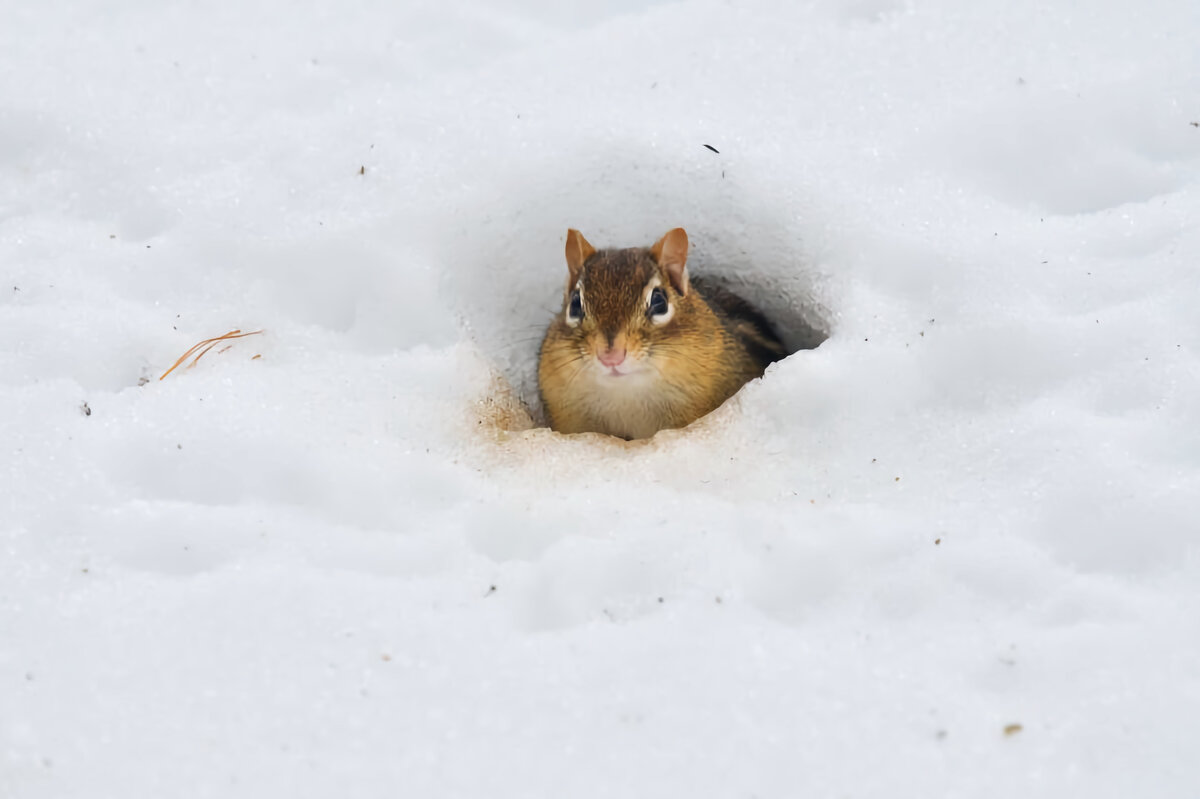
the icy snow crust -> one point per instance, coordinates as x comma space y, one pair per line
950, 552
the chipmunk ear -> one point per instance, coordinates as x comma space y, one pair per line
671, 253
578, 251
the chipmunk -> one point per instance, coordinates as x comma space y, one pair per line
639, 347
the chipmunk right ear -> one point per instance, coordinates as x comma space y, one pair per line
671, 253
578, 251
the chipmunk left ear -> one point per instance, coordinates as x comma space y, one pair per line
671, 253
578, 251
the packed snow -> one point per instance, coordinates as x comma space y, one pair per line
947, 548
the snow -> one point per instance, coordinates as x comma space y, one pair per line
952, 551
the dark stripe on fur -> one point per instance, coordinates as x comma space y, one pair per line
743, 321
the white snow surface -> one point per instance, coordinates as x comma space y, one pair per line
952, 551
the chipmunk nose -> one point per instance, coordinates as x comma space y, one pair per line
612, 357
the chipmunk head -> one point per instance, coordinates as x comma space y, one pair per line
619, 305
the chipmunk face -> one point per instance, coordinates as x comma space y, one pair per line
619, 306
637, 349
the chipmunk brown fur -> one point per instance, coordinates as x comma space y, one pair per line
639, 347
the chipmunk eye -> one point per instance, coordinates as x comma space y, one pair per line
658, 303
575, 308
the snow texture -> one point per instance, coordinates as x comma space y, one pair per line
952, 551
